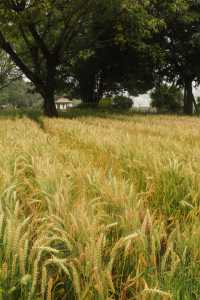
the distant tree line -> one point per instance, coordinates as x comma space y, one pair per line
19, 94
92, 49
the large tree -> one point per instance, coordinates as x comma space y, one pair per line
180, 46
108, 71
37, 34
114, 55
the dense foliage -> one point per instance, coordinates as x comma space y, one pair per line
20, 94
179, 41
91, 49
167, 99
122, 102
8, 71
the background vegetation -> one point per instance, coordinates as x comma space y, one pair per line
167, 99
19, 94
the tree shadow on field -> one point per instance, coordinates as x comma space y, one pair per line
72, 113
33, 115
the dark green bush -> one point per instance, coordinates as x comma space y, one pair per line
106, 102
122, 102
167, 99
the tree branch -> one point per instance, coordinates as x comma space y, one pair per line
39, 40
79, 12
5, 45
10, 81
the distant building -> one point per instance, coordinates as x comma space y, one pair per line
6, 106
63, 103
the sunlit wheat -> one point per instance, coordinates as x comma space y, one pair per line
100, 208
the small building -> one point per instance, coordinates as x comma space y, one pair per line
7, 106
63, 103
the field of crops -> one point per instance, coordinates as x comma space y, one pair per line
100, 208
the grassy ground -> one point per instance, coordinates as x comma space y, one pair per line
99, 206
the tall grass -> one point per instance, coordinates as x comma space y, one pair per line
100, 208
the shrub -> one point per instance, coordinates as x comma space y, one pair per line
167, 98
122, 102
106, 102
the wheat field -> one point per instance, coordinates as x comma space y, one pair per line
100, 208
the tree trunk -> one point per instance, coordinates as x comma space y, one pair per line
89, 97
91, 89
49, 105
195, 105
49, 90
188, 98
90, 102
